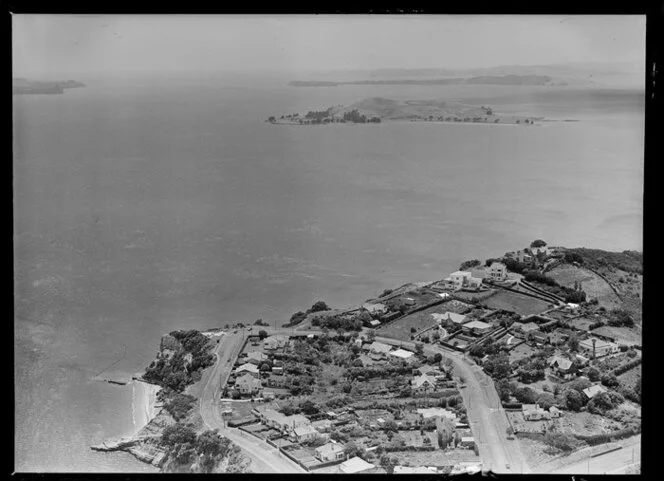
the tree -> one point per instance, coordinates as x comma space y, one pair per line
610, 380
419, 348
525, 395
371, 335
537, 243
351, 449
309, 407
437, 357
504, 390
545, 400
593, 374
573, 399
497, 366
573, 342
178, 433
319, 306
262, 334
469, 264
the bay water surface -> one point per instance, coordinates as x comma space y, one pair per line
147, 205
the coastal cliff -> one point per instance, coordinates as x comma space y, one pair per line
175, 440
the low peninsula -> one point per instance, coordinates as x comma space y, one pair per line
529, 362
379, 109
22, 86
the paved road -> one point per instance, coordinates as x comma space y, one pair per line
614, 462
485, 413
265, 458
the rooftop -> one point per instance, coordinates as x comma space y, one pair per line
402, 353
477, 325
380, 347
355, 465
433, 412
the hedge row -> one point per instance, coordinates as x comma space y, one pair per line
512, 405
390, 449
596, 439
626, 367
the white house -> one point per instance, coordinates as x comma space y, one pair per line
275, 342
248, 368
423, 383
374, 323
378, 350
598, 346
375, 309
477, 327
401, 356
449, 317
593, 391
330, 452
498, 271
459, 278
247, 384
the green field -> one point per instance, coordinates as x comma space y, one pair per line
511, 301
400, 329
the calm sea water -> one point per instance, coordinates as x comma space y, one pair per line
147, 206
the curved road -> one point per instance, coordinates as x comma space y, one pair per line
485, 412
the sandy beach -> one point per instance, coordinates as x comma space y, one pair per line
144, 404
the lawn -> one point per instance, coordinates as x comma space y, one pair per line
594, 286
521, 351
400, 329
582, 323
629, 378
520, 425
511, 301
584, 423
622, 335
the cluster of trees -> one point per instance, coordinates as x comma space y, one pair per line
318, 114
356, 117
176, 373
469, 264
300, 316
629, 261
179, 405
605, 401
620, 318
188, 452
497, 366
343, 323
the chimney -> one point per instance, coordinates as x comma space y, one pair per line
594, 341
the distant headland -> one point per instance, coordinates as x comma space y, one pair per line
378, 109
543, 80
22, 86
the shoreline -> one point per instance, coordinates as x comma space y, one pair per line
144, 405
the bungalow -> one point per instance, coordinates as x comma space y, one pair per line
330, 452
401, 356
477, 328
247, 384
375, 309
278, 370
355, 465
322, 425
459, 278
593, 391
375, 323
273, 343
598, 347
555, 412
540, 250
256, 357
248, 368
304, 433
561, 367
498, 271
536, 414
409, 301
378, 350
423, 383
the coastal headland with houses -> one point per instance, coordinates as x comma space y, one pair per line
513, 364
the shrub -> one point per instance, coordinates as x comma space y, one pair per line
180, 405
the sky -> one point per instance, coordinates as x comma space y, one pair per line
107, 44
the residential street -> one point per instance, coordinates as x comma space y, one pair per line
265, 458
485, 413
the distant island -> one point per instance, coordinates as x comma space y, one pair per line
378, 109
478, 80
22, 86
